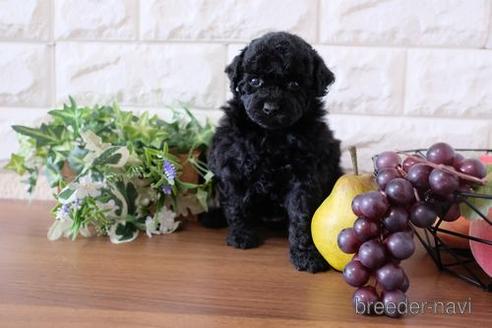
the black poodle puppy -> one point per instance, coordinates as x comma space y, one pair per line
274, 157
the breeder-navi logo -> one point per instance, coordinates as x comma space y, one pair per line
413, 307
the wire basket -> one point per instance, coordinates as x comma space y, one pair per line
456, 261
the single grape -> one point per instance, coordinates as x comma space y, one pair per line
457, 159
387, 159
406, 283
365, 229
453, 213
396, 219
395, 303
400, 191
364, 299
356, 204
386, 175
372, 254
473, 167
440, 153
400, 245
372, 205
418, 175
390, 276
347, 241
422, 214
355, 274
443, 183
409, 162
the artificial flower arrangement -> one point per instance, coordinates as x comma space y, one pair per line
116, 173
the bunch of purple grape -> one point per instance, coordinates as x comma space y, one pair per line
416, 191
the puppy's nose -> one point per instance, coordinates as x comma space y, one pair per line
269, 108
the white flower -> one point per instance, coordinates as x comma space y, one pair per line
162, 222
60, 228
86, 187
151, 227
166, 217
109, 207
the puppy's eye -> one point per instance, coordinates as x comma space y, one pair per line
255, 82
293, 85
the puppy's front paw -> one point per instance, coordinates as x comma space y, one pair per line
243, 239
308, 260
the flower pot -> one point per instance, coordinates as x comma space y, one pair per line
67, 173
189, 174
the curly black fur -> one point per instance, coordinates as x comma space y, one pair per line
274, 157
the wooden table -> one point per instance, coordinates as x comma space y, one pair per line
188, 279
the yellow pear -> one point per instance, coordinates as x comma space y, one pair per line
335, 214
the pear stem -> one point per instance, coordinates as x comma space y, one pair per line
353, 157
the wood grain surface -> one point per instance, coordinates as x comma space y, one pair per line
189, 279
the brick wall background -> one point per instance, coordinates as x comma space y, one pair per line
409, 72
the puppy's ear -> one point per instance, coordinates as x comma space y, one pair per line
323, 77
235, 71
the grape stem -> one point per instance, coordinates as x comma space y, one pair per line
402, 171
449, 169
417, 197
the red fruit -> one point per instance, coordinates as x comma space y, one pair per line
462, 225
482, 252
486, 159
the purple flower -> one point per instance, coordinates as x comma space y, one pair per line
63, 212
167, 189
169, 171
65, 208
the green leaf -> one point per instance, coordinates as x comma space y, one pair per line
202, 197
187, 185
43, 135
131, 196
481, 204
123, 232
208, 176
112, 156
70, 116
16, 164
76, 159
64, 195
53, 171
32, 180
126, 231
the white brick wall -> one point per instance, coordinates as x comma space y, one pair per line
455, 23
95, 20
140, 74
409, 72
